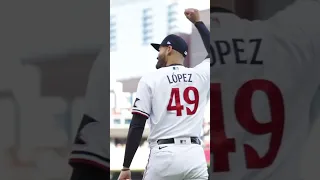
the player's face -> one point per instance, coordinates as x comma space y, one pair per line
163, 56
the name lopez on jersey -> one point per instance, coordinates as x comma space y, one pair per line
175, 78
237, 48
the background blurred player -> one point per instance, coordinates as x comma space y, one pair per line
263, 81
90, 152
173, 98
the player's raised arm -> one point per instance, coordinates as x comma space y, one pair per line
194, 16
140, 110
90, 151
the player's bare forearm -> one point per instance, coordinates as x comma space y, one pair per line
134, 138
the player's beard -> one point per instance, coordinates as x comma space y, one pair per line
161, 61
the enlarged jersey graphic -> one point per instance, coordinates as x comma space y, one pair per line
264, 75
84, 122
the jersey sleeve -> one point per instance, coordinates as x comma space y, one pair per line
97, 95
204, 68
300, 22
91, 144
143, 101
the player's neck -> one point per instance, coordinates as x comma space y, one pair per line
174, 59
175, 63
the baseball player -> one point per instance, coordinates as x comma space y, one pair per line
173, 98
263, 80
90, 152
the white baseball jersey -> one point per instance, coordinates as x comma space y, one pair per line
263, 81
174, 100
96, 134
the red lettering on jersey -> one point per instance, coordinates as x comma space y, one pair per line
175, 95
221, 146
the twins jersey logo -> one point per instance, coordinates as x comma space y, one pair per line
79, 137
134, 104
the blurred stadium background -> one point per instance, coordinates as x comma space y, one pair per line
47, 48
47, 57
133, 26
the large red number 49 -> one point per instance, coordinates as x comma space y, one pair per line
221, 145
178, 107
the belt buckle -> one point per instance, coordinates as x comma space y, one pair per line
196, 140
182, 140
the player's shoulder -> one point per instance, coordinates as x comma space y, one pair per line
152, 75
203, 67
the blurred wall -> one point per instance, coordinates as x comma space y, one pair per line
265, 9
34, 27
64, 74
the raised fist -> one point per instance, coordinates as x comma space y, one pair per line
192, 14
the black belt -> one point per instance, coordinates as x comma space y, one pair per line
194, 140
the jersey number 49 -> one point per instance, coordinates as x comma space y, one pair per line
178, 107
222, 146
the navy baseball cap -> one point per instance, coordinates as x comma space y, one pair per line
176, 42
